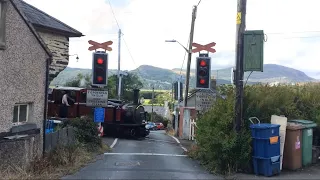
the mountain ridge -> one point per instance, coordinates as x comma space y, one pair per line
162, 78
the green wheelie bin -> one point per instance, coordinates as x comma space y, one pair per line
307, 137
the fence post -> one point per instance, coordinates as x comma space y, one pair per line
192, 135
190, 127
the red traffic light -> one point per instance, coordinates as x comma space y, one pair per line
203, 63
202, 81
100, 61
99, 79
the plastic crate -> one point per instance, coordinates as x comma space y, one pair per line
266, 147
49, 126
266, 166
264, 130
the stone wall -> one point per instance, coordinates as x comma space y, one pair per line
19, 153
59, 46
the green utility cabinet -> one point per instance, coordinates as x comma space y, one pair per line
253, 50
307, 137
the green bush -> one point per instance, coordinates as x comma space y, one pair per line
224, 151
220, 148
86, 132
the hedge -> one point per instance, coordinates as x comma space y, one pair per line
222, 150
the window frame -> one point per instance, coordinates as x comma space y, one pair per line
18, 115
3, 11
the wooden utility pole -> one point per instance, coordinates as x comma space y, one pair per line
239, 73
194, 14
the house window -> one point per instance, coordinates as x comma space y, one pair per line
20, 113
3, 10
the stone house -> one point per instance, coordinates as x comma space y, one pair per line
33, 45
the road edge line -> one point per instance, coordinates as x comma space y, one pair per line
185, 149
147, 154
114, 143
177, 140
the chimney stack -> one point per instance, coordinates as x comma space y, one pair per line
136, 95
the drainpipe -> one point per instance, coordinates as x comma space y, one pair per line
48, 61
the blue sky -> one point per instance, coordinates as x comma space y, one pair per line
293, 38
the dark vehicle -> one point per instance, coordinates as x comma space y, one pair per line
120, 118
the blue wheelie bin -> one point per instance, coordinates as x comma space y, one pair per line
266, 148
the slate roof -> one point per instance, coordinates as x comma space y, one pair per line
41, 19
17, 5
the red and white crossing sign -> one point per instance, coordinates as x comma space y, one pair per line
96, 45
207, 47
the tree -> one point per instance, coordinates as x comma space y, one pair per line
129, 82
80, 81
112, 84
161, 97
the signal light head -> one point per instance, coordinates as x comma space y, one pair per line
100, 61
203, 63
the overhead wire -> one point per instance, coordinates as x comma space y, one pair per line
185, 54
127, 47
184, 58
114, 16
279, 34
199, 2
125, 43
297, 32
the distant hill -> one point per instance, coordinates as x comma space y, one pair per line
162, 78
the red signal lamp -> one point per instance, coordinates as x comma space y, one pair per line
203, 63
202, 81
100, 61
100, 79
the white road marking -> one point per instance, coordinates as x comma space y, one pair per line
156, 140
114, 143
146, 154
175, 139
185, 149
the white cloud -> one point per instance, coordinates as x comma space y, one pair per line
146, 24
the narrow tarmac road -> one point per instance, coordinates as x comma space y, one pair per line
157, 157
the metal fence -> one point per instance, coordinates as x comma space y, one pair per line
62, 137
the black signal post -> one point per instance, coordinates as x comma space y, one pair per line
100, 69
178, 95
203, 72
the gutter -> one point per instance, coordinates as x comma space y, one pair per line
48, 61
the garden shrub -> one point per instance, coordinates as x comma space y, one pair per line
224, 151
219, 147
86, 132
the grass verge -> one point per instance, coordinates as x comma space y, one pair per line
60, 162
170, 131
